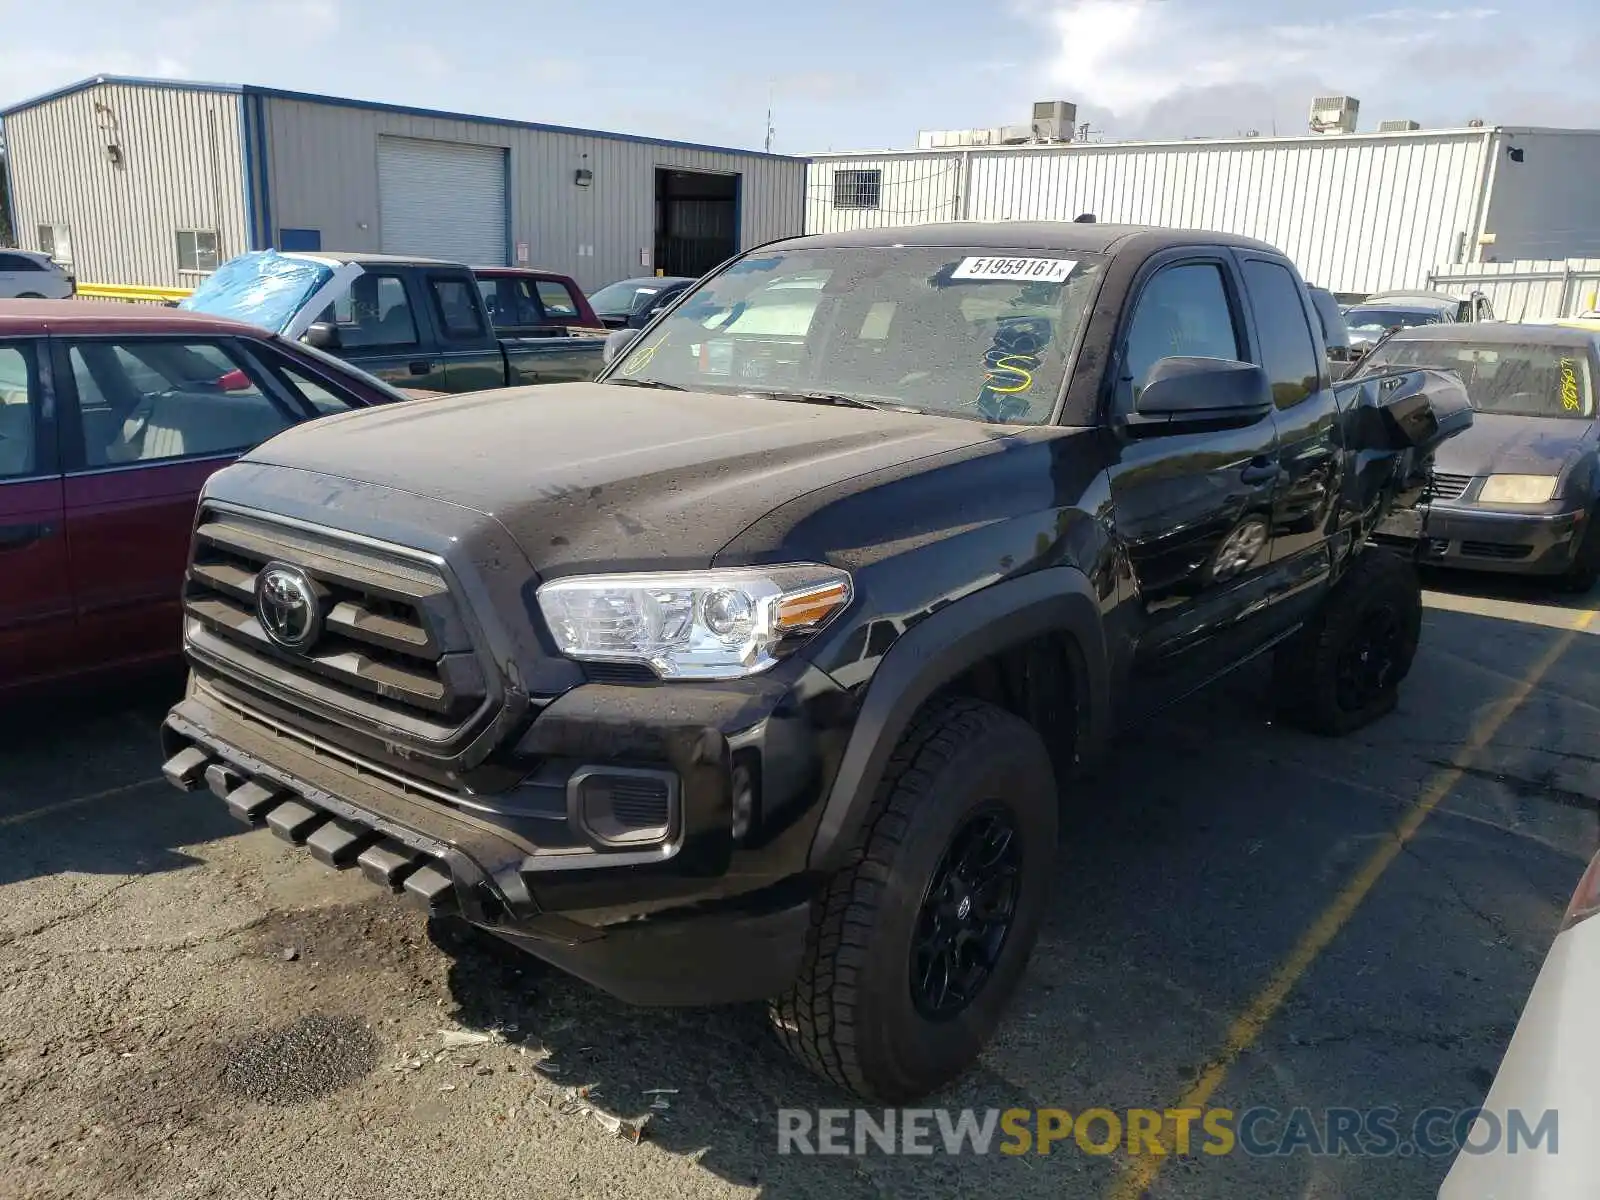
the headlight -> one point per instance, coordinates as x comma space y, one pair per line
1518, 489
692, 624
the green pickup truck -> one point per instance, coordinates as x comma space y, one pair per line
416, 323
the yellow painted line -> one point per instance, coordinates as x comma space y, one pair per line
1141, 1172
76, 802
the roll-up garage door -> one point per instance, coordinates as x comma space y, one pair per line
442, 200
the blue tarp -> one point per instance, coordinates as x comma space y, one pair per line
262, 288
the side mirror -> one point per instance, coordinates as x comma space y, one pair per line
617, 343
1182, 395
323, 336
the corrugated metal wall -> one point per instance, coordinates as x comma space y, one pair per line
1357, 214
324, 176
182, 168
1529, 288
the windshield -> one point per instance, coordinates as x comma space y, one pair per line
628, 296
1523, 379
959, 332
1379, 319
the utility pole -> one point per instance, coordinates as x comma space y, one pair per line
770, 130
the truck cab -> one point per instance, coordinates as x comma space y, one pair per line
417, 323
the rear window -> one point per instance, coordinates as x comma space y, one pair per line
1524, 379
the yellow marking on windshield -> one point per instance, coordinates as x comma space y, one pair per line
640, 361
1021, 377
1570, 396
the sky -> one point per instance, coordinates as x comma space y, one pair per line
843, 75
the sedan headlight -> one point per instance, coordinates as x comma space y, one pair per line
723, 624
1518, 489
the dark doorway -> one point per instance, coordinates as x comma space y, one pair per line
697, 221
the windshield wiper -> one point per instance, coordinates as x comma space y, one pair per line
648, 383
838, 398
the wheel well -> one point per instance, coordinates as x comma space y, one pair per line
1043, 681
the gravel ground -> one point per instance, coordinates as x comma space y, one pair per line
189, 1009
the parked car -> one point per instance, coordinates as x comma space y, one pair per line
1519, 492
1335, 333
761, 682
1369, 320
632, 303
526, 303
1516, 1149
25, 275
111, 418
415, 322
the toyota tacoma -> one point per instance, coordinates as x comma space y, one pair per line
753, 670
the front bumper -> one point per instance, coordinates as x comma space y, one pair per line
700, 916
1486, 539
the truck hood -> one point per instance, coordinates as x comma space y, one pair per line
1497, 443
589, 476
279, 292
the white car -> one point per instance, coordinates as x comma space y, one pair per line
27, 275
1531, 1140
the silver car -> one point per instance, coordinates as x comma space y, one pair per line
28, 275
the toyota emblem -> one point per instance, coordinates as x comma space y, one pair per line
286, 604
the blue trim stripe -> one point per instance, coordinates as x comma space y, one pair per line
375, 106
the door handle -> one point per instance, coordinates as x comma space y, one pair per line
15, 537
1259, 470
421, 368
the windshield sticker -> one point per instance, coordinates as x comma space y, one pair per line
1569, 386
638, 362
1032, 270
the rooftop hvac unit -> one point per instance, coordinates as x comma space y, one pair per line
1054, 121
1397, 126
1334, 114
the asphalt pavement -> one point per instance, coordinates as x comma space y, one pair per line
1246, 917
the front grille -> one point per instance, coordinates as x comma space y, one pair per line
394, 655
1447, 487
1501, 550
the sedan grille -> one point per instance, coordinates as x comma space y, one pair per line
393, 655
1447, 487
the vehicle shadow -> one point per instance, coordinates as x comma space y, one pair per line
81, 787
1520, 589
1191, 861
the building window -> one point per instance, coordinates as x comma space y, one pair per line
56, 241
197, 250
856, 189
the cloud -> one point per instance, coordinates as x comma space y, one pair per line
1176, 67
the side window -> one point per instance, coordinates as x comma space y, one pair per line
458, 315
19, 262
1288, 351
528, 309
1183, 311
17, 433
151, 401
315, 393
374, 312
556, 300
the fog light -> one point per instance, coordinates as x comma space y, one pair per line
624, 806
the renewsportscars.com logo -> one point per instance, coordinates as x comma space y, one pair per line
1257, 1132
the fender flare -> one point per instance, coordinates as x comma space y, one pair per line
939, 648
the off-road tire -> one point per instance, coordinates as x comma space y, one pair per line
850, 1015
1306, 669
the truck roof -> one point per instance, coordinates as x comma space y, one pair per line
1082, 237
373, 257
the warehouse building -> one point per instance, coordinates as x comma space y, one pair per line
1358, 212
154, 182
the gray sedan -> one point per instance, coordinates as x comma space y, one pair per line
1518, 491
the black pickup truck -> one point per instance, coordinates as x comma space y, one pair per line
753, 669
413, 322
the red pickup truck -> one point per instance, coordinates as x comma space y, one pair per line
111, 418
